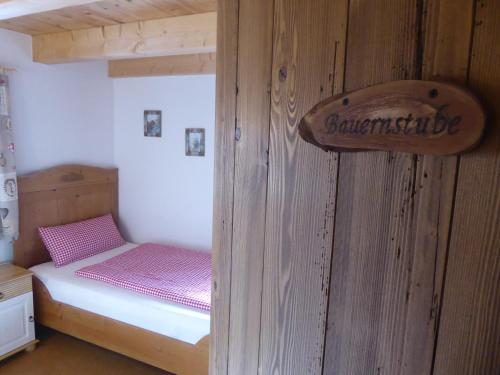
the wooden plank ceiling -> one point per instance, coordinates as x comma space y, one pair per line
18, 8
104, 13
174, 36
168, 36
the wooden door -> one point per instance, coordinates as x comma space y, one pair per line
352, 263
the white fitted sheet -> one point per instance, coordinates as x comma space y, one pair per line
147, 312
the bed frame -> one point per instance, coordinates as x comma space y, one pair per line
72, 193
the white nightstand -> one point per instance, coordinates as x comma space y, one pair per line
17, 323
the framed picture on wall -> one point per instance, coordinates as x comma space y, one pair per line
152, 123
195, 142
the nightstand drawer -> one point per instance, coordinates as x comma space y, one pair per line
15, 288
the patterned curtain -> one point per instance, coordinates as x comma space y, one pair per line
9, 210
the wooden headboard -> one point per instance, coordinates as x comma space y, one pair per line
60, 195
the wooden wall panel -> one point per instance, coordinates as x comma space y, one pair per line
250, 182
392, 216
402, 227
446, 31
226, 70
301, 194
469, 331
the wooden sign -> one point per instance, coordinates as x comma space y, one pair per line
418, 117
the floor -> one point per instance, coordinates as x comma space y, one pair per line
59, 354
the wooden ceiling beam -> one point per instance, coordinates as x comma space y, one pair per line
19, 8
192, 34
200, 63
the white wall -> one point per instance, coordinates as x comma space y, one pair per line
165, 196
60, 113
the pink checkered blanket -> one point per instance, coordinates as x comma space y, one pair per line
174, 274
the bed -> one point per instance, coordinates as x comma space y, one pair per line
169, 336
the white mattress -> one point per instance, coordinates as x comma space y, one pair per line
150, 313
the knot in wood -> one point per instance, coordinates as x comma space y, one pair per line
283, 73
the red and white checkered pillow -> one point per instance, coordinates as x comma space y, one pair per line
71, 242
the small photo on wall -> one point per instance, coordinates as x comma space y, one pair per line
195, 142
152, 123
